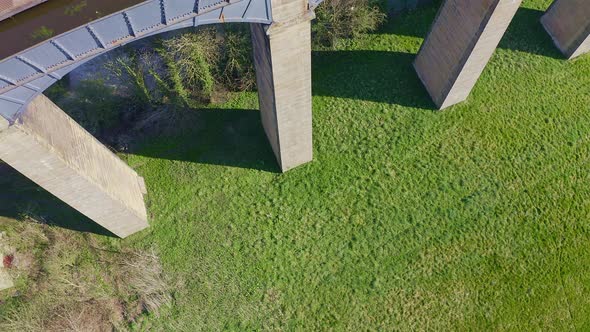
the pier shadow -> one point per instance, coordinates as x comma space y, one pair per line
226, 137
22, 199
525, 33
231, 137
389, 77
379, 76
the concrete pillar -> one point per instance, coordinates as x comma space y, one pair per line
51, 149
568, 23
282, 56
460, 44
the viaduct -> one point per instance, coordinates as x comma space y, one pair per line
40, 141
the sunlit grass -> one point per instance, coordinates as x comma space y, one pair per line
409, 218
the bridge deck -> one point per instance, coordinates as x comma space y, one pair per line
48, 19
43, 44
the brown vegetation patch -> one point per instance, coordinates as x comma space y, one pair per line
69, 281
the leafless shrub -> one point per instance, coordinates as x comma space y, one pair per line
339, 19
144, 274
79, 285
210, 61
90, 316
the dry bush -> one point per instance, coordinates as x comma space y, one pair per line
190, 58
142, 273
339, 19
236, 69
46, 315
209, 61
80, 283
91, 316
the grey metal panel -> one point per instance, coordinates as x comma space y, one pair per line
180, 25
21, 94
45, 55
178, 9
3, 84
236, 12
113, 30
78, 42
258, 9
209, 4
9, 109
42, 83
146, 16
16, 70
209, 18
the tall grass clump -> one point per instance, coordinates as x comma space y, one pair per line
190, 58
208, 62
345, 19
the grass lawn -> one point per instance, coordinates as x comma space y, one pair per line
408, 218
474, 218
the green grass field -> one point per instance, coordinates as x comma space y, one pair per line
408, 219
474, 218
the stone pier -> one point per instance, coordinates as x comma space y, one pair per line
460, 44
568, 23
51, 149
282, 56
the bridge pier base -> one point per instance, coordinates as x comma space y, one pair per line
459, 46
568, 23
51, 149
282, 56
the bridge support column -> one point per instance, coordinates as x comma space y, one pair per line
459, 46
282, 55
51, 149
568, 23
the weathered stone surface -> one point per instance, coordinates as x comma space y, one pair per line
6, 281
3, 124
10, 8
51, 149
288, 10
568, 23
283, 71
459, 46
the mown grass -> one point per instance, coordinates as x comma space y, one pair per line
408, 219
474, 218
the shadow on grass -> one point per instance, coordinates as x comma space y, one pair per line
232, 138
226, 137
389, 77
22, 199
380, 76
236, 138
525, 33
